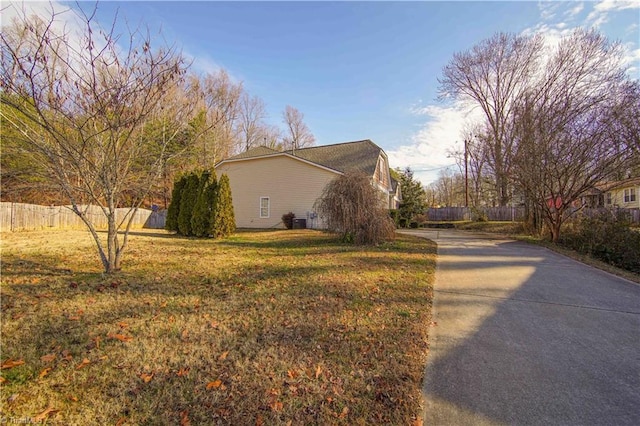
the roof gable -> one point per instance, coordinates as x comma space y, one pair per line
358, 156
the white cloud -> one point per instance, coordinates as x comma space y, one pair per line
575, 10
548, 9
428, 152
632, 59
64, 17
202, 63
607, 5
601, 10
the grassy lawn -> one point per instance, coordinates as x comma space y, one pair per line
279, 327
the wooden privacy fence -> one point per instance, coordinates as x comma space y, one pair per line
23, 217
466, 213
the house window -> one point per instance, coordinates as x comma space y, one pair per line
629, 195
381, 172
264, 207
607, 200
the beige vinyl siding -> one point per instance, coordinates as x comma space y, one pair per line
290, 184
617, 197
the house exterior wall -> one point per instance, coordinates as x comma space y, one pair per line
616, 197
290, 185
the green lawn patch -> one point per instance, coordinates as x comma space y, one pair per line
281, 327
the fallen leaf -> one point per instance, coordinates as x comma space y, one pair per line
121, 421
292, 374
48, 357
123, 324
121, 337
44, 372
146, 377
417, 422
223, 356
2, 380
318, 371
214, 324
84, 363
163, 305
10, 363
45, 414
214, 385
185, 334
276, 406
72, 398
344, 413
259, 420
274, 392
182, 372
184, 418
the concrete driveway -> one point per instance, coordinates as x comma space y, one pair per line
527, 336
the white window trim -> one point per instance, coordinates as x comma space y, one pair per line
268, 208
629, 195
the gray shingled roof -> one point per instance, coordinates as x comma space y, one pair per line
343, 157
254, 152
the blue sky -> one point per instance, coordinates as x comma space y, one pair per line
364, 70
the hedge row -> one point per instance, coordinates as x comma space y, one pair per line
607, 238
201, 206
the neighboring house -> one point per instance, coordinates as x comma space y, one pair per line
265, 183
624, 194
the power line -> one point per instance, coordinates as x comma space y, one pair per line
431, 170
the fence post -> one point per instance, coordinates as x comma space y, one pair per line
13, 216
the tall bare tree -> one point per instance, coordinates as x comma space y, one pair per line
250, 127
79, 103
298, 134
492, 75
218, 99
567, 137
270, 136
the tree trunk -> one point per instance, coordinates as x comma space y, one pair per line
112, 243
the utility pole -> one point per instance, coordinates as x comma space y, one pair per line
466, 175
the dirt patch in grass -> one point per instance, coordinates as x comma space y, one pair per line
282, 327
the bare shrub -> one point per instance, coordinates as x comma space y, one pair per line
350, 205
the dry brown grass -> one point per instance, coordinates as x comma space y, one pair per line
282, 327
